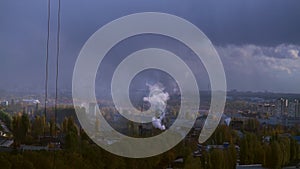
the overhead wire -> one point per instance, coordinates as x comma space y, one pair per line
57, 63
56, 76
47, 60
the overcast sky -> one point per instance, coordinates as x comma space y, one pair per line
258, 41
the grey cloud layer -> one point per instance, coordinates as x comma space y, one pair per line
263, 68
272, 63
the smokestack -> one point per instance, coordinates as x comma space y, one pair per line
158, 100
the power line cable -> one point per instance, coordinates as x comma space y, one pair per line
47, 61
57, 63
57, 75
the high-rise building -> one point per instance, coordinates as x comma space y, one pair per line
36, 108
12, 102
4, 103
92, 109
283, 105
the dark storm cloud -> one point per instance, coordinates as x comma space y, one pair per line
225, 22
254, 22
272, 26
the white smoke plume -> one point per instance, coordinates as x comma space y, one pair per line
158, 100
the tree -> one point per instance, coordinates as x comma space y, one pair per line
294, 150
252, 125
52, 128
20, 125
244, 151
6, 118
217, 159
250, 151
27, 165
65, 125
230, 157
205, 160
25, 124
276, 155
71, 126
71, 138
5, 164
284, 144
222, 134
192, 163
38, 126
